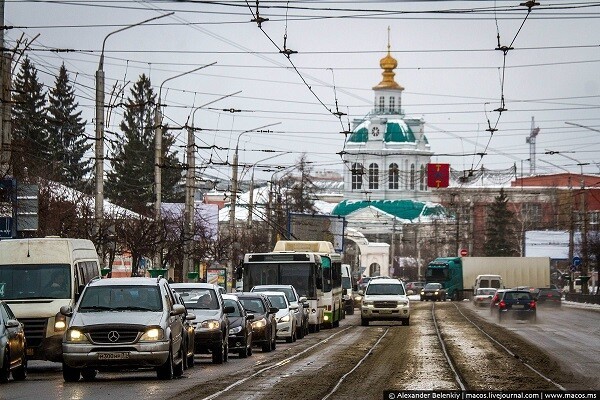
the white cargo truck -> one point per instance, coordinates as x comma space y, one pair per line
457, 274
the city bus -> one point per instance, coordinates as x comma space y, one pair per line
331, 263
37, 277
303, 270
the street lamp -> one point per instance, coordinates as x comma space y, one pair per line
583, 229
158, 142
234, 176
190, 188
99, 149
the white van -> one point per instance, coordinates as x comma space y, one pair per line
347, 286
487, 281
37, 277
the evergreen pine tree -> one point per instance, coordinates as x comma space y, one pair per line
500, 234
130, 183
29, 131
302, 191
68, 142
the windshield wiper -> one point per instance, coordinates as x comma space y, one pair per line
95, 308
133, 308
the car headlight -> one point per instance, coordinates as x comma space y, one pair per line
152, 335
60, 322
261, 323
436, 292
235, 330
358, 298
210, 324
285, 318
75, 336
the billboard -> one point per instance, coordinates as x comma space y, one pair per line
317, 227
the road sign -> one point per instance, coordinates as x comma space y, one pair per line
573, 268
576, 261
464, 252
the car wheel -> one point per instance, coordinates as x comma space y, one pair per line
406, 321
300, 332
178, 368
5, 367
266, 347
274, 344
226, 351
88, 374
218, 353
20, 374
165, 371
190, 360
70, 374
249, 350
364, 322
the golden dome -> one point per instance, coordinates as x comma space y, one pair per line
388, 64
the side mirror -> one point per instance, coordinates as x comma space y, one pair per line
239, 272
67, 311
229, 309
303, 300
178, 309
293, 306
273, 310
190, 317
12, 323
250, 316
361, 292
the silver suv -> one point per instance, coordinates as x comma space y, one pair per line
300, 313
124, 323
385, 299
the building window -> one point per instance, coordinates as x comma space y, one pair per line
393, 176
373, 176
381, 103
357, 175
392, 103
412, 176
406, 177
422, 178
532, 214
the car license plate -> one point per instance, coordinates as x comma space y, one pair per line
113, 356
385, 311
519, 306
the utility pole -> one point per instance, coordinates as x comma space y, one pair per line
5, 104
99, 148
158, 158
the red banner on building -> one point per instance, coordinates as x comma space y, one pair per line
438, 175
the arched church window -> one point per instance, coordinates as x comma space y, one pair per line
392, 103
412, 176
393, 175
422, 178
373, 176
357, 175
381, 103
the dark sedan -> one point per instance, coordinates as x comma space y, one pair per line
433, 292
264, 324
518, 304
12, 346
546, 297
240, 327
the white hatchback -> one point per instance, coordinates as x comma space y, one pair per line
385, 299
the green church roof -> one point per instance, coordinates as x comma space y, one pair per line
395, 131
403, 209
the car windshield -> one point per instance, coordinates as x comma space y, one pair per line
289, 293
237, 312
199, 298
253, 305
433, 286
517, 296
385, 289
278, 301
120, 298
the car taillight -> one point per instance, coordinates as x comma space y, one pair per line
532, 304
502, 304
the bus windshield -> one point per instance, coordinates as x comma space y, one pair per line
39, 281
299, 275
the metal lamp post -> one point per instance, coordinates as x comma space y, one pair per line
99, 149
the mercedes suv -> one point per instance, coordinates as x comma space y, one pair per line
123, 323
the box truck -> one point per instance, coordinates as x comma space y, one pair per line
457, 274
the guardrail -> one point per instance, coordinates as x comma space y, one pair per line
583, 298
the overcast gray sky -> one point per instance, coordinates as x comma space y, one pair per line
447, 63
